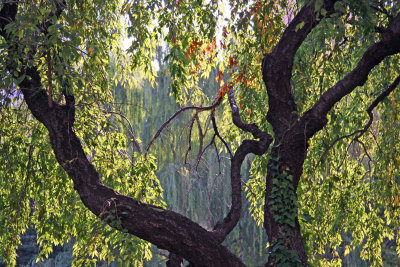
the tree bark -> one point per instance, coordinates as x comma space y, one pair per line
292, 132
166, 229
174, 232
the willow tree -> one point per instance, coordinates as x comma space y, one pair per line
310, 76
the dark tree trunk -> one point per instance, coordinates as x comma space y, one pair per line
174, 232
288, 161
293, 132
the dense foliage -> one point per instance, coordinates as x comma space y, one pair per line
81, 117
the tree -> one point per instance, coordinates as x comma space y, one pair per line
55, 54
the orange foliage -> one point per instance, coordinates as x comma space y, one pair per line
214, 44
238, 78
232, 62
223, 45
223, 90
224, 32
219, 76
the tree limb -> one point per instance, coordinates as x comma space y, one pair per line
134, 140
382, 10
164, 228
216, 132
277, 66
211, 107
389, 45
224, 227
360, 132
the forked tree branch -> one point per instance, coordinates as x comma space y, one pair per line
216, 132
224, 227
389, 45
277, 66
198, 108
212, 142
360, 132
166, 229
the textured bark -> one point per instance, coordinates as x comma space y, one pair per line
290, 142
166, 229
174, 260
174, 232
224, 227
291, 132
277, 68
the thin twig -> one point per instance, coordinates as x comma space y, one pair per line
201, 137
382, 10
134, 140
190, 140
204, 150
219, 160
360, 132
199, 109
218, 135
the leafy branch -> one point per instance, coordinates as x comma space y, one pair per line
360, 132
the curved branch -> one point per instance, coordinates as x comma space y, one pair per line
211, 107
382, 96
166, 229
134, 140
360, 132
224, 227
389, 45
201, 137
277, 66
189, 142
216, 133
252, 127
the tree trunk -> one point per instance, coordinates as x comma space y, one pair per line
280, 218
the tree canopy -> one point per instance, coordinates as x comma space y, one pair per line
308, 87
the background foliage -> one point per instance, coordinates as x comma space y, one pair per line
348, 198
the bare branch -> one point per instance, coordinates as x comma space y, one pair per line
224, 227
133, 138
200, 109
214, 123
201, 137
190, 142
217, 155
205, 148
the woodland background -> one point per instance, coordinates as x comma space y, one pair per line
348, 196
